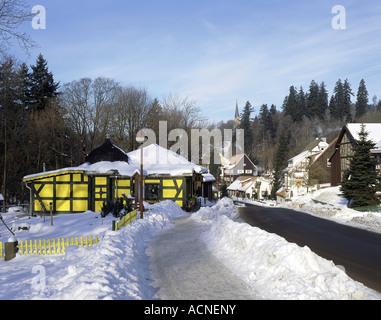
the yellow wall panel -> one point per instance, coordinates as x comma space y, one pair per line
179, 183
80, 205
63, 178
63, 190
46, 180
46, 192
168, 183
80, 190
98, 206
37, 205
62, 205
171, 193
123, 183
100, 180
77, 177
152, 181
120, 192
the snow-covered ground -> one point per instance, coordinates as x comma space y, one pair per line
118, 267
329, 204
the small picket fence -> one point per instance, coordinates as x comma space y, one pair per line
51, 246
127, 219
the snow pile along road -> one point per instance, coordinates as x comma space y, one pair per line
328, 203
271, 265
115, 268
118, 266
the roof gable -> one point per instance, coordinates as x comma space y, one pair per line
107, 152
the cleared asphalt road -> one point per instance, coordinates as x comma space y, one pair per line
359, 251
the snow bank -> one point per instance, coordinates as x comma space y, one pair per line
115, 268
329, 204
271, 265
118, 268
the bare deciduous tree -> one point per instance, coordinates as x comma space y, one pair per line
13, 13
88, 105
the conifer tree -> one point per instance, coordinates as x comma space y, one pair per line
23, 85
362, 100
347, 91
313, 108
43, 86
336, 104
323, 101
279, 163
246, 125
292, 106
360, 183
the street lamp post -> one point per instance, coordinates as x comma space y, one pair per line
141, 138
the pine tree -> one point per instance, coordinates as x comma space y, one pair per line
360, 184
246, 125
279, 163
43, 86
302, 104
362, 100
323, 101
347, 91
336, 105
292, 107
312, 102
23, 85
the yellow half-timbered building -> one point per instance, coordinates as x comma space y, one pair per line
109, 173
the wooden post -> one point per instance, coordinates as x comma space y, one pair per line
51, 213
10, 249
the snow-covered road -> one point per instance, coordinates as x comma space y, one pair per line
184, 268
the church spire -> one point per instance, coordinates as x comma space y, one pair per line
237, 120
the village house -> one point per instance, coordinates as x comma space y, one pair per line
296, 175
320, 168
110, 173
343, 150
249, 187
242, 187
238, 166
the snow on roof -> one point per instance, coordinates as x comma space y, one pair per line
242, 185
373, 129
156, 161
208, 177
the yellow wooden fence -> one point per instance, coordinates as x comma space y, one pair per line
127, 219
51, 246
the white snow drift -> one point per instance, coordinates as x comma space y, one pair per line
118, 267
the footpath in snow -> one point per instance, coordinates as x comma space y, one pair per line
130, 264
184, 268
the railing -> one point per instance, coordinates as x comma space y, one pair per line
51, 246
127, 219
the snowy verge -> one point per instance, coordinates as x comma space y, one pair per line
328, 203
271, 265
115, 268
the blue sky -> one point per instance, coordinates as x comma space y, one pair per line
214, 52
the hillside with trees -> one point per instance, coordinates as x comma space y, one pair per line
278, 134
46, 125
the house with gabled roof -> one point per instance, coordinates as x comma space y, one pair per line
346, 141
109, 173
239, 165
296, 175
